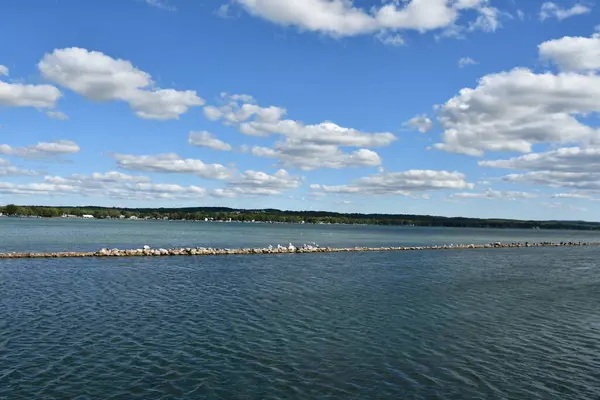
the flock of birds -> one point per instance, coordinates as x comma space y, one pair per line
291, 247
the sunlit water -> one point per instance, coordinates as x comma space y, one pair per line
466, 324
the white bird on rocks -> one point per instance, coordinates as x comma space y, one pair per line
270, 247
146, 247
291, 247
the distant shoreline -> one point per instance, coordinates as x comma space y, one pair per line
274, 216
296, 223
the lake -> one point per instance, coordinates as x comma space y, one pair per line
467, 324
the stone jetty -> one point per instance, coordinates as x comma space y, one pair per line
146, 251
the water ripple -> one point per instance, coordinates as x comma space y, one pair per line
518, 324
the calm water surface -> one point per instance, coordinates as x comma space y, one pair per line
484, 324
85, 235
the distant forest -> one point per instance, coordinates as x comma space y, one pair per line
273, 215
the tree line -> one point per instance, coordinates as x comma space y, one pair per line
274, 215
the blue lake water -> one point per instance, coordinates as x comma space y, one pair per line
85, 235
466, 324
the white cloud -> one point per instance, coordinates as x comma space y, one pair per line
572, 168
3, 70
57, 115
35, 189
582, 181
571, 196
488, 20
515, 110
551, 10
340, 18
171, 163
20, 95
260, 183
252, 119
162, 4
112, 185
310, 156
42, 149
573, 53
512, 111
390, 39
465, 61
567, 159
99, 77
495, 195
117, 185
98, 178
304, 146
207, 139
400, 183
422, 123
6, 169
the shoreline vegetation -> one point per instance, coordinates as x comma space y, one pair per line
224, 214
146, 251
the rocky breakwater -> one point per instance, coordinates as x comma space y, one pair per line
146, 251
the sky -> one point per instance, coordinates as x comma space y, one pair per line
476, 108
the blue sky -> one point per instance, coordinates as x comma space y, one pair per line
483, 108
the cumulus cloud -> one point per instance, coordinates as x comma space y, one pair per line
421, 123
171, 163
260, 183
573, 53
207, 139
30, 189
99, 77
98, 178
400, 183
583, 181
342, 18
118, 185
7, 169
567, 159
42, 149
495, 195
552, 10
311, 156
57, 115
512, 111
465, 61
20, 95
572, 168
304, 146
112, 185
254, 120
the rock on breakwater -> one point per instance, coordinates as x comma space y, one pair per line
146, 251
